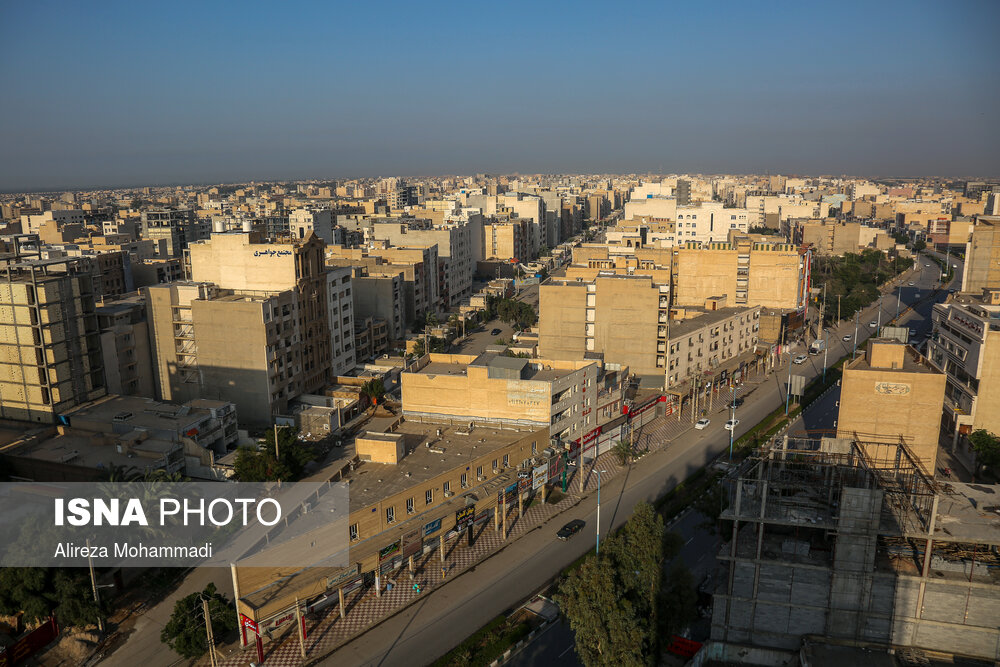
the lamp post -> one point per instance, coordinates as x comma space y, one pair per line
598, 552
732, 421
855, 352
788, 385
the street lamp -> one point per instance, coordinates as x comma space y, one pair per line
598, 552
732, 421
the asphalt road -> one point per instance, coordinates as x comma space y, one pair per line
425, 631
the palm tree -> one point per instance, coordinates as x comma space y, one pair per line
623, 451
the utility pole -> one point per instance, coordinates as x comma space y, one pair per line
838, 308
598, 550
299, 624
855, 352
878, 327
788, 387
208, 632
93, 586
733, 422
277, 456
822, 314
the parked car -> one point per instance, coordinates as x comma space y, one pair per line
801, 359
910, 284
731, 424
872, 324
848, 337
702, 423
496, 332
570, 529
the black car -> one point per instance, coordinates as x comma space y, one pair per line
738, 401
496, 332
571, 529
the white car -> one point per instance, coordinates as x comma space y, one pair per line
702, 423
801, 359
847, 337
731, 424
872, 324
910, 284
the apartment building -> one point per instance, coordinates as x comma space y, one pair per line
965, 346
242, 347
381, 296
128, 363
651, 206
830, 237
506, 240
750, 273
31, 223
982, 256
457, 244
892, 395
176, 228
157, 271
706, 339
50, 348
623, 317
237, 262
419, 267
498, 389
708, 222
371, 336
321, 222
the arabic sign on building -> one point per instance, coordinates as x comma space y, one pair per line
464, 517
432, 527
388, 552
540, 476
345, 575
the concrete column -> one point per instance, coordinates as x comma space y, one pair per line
378, 582
343, 612
441, 546
411, 566
236, 601
520, 502
496, 518
503, 517
545, 489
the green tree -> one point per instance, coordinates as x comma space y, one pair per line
185, 631
608, 627
623, 451
986, 445
42, 591
919, 246
261, 465
677, 603
374, 389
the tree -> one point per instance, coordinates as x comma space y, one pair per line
623, 451
185, 631
261, 465
986, 445
42, 591
677, 603
374, 389
607, 626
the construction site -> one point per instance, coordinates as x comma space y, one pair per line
850, 542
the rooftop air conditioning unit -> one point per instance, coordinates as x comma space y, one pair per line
496, 471
448, 494
481, 478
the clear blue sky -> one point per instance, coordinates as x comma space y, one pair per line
102, 93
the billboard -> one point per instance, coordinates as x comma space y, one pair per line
464, 517
432, 527
540, 475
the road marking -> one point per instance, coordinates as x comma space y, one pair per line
566, 651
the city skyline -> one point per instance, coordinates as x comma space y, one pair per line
129, 96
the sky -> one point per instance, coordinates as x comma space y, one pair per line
137, 93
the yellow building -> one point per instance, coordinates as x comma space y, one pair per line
50, 348
892, 395
497, 389
772, 275
982, 256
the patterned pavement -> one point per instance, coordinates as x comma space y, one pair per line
326, 630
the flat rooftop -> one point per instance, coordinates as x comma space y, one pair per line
530, 369
707, 318
912, 361
86, 451
457, 445
144, 412
969, 513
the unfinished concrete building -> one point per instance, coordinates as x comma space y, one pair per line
852, 541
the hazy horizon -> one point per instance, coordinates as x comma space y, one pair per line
126, 95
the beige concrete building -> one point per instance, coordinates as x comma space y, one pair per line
982, 256
623, 317
128, 364
380, 295
236, 262
50, 349
506, 240
830, 237
893, 395
705, 339
418, 266
771, 275
497, 389
965, 346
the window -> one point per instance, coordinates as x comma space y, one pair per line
534, 447
479, 471
506, 460
390, 514
495, 466
354, 531
465, 480
429, 497
409, 506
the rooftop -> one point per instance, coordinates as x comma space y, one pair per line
428, 455
146, 413
678, 329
